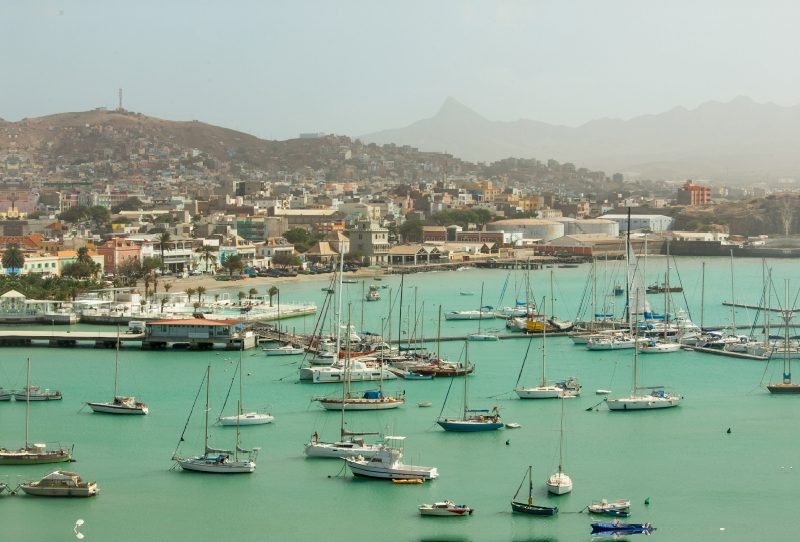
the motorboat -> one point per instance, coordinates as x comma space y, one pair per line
6, 395
286, 350
35, 393
445, 509
424, 404
60, 483
469, 315
529, 507
120, 405
386, 463
513, 425
373, 295
658, 347
467, 293
483, 337
416, 376
620, 528
600, 507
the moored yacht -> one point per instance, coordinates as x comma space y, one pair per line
35, 393
386, 464
60, 483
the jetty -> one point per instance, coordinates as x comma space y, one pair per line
716, 352
754, 307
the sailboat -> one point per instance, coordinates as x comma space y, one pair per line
215, 460
569, 387
369, 399
559, 483
482, 336
33, 454
786, 385
346, 446
471, 420
658, 398
529, 507
242, 417
120, 404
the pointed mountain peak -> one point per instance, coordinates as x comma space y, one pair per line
453, 108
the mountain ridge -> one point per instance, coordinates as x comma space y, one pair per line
742, 136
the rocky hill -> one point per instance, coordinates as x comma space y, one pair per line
754, 216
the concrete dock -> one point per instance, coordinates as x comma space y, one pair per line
108, 339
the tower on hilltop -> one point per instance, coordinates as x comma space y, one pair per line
120, 101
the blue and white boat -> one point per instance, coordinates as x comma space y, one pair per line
471, 420
618, 528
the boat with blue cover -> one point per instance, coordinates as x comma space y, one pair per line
618, 528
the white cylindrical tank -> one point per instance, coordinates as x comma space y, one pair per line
530, 228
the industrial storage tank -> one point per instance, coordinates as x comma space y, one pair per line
530, 228
590, 225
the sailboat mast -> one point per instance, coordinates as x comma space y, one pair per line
27, 403
208, 396
400, 319
480, 310
594, 292
733, 298
466, 359
552, 297
389, 327
339, 304
116, 366
363, 297
636, 348
439, 336
627, 271
241, 369
787, 362
561, 437
702, 296
544, 346
347, 350
530, 484
769, 306
346, 380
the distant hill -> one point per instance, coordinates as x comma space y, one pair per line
66, 134
751, 139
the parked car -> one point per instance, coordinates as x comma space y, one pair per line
195, 273
491, 260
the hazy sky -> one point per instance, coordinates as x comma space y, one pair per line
276, 69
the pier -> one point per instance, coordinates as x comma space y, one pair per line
108, 339
716, 352
754, 307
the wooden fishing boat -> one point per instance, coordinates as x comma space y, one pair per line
529, 507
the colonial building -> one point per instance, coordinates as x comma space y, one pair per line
371, 239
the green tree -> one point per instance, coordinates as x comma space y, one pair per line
483, 216
163, 242
283, 260
13, 259
84, 257
272, 292
252, 293
77, 270
129, 204
241, 295
207, 254
98, 214
75, 214
190, 293
297, 235
200, 291
356, 256
411, 230
233, 263
167, 286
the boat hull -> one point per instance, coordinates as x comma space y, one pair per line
445, 512
468, 426
283, 351
546, 392
533, 510
339, 450
59, 492
201, 465
469, 315
326, 377
482, 337
361, 404
784, 389
110, 408
42, 397
642, 403
405, 472
13, 458
660, 349
249, 418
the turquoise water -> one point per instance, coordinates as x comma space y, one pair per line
699, 478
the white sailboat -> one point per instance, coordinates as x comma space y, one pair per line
657, 398
482, 336
242, 417
545, 390
213, 460
786, 385
120, 404
33, 454
559, 483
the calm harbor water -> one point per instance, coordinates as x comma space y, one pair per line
699, 478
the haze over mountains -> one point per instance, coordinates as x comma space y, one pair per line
753, 140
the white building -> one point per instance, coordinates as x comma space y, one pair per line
642, 222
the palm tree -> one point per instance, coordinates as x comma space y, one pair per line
147, 281
233, 263
167, 286
241, 295
190, 292
163, 302
200, 291
216, 298
13, 259
207, 254
83, 256
163, 242
253, 292
272, 292
155, 284
196, 305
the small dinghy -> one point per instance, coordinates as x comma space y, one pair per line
444, 509
604, 506
408, 481
416, 376
425, 404
603, 392
467, 293
513, 425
